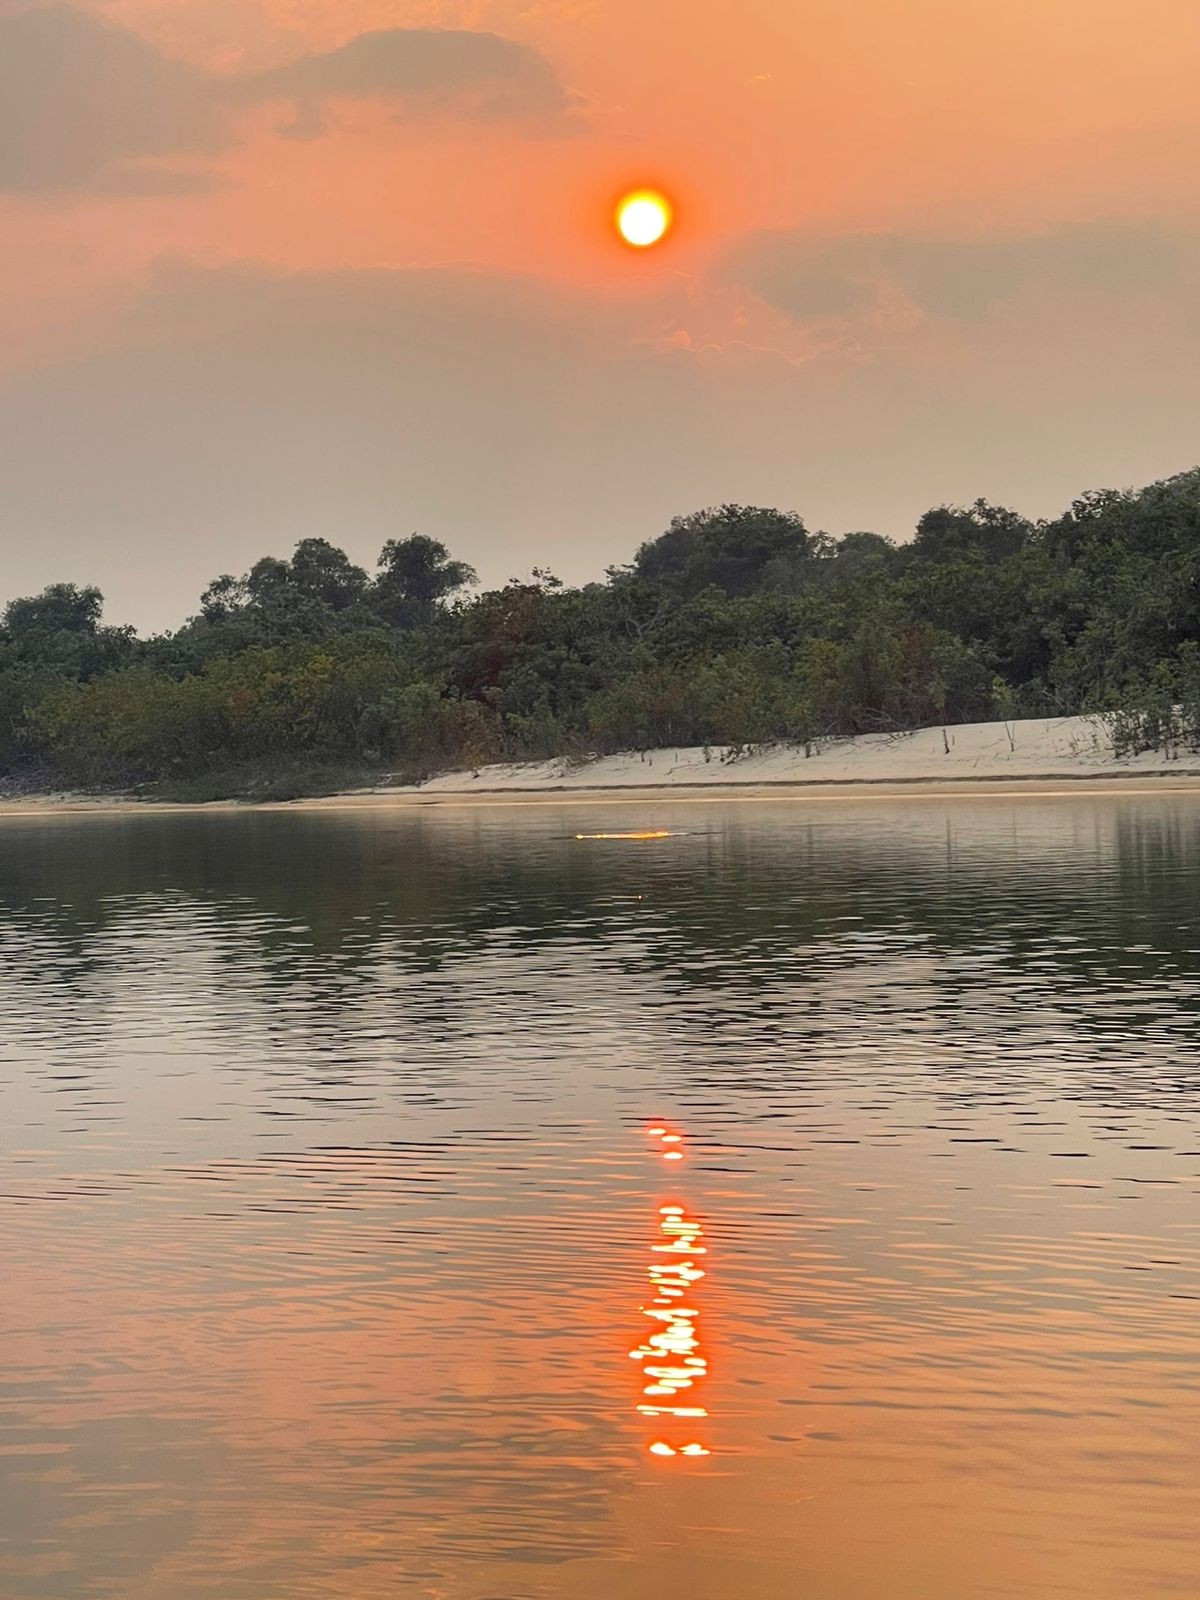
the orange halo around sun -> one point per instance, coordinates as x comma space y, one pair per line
644, 218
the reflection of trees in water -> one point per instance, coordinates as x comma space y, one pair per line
1156, 855
321, 903
747, 874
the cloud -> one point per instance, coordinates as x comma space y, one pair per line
811, 277
85, 104
476, 72
79, 97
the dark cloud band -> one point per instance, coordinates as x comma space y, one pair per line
808, 276
88, 105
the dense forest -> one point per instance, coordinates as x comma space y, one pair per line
735, 627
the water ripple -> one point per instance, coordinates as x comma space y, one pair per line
330, 1214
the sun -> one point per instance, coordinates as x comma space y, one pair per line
644, 218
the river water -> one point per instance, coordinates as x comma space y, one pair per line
437, 1204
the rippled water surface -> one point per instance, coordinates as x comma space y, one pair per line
340, 1187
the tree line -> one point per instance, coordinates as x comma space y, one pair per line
736, 627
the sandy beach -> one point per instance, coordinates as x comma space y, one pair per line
1066, 755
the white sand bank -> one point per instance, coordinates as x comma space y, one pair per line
1049, 755
1059, 748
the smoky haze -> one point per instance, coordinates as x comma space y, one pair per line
270, 280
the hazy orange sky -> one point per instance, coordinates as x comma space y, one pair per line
280, 268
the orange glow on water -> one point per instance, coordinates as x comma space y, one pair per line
672, 1356
667, 1141
655, 833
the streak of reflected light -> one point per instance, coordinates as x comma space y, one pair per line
670, 1143
650, 833
673, 1362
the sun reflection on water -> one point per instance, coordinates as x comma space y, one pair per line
673, 1357
643, 833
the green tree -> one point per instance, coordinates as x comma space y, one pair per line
736, 549
61, 608
416, 576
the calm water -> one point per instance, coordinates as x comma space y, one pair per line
337, 1195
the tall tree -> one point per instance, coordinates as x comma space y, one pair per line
734, 548
61, 608
416, 576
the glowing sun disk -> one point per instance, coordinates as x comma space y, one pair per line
643, 218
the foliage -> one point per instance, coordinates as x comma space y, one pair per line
736, 626
1160, 711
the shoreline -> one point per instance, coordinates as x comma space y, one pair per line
1061, 756
1046, 786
